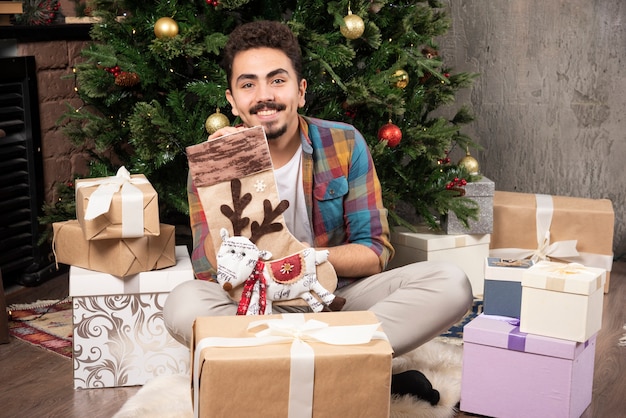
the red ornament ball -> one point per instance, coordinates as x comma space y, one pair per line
390, 133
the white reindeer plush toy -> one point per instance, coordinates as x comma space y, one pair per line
240, 262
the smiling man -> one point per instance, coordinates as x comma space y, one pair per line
310, 156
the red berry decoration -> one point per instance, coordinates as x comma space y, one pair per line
114, 70
457, 185
390, 133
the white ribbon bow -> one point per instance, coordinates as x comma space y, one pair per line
132, 200
545, 249
292, 328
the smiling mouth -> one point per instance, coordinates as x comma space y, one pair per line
267, 109
268, 112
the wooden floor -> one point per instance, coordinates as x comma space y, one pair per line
37, 383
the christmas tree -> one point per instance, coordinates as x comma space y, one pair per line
151, 85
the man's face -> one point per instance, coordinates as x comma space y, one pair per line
265, 91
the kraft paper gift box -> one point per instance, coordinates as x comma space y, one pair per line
119, 257
119, 336
481, 192
467, 251
562, 300
279, 375
503, 286
557, 228
507, 373
122, 206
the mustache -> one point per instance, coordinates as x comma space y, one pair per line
267, 106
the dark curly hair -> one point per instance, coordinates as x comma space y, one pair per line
262, 34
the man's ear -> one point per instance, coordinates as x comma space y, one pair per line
230, 99
302, 93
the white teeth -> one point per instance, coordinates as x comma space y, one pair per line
266, 112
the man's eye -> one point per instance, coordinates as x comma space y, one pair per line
246, 86
278, 81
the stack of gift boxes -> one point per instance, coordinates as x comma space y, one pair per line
123, 263
531, 352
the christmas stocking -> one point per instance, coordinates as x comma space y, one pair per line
235, 181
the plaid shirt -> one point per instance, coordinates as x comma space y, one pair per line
342, 194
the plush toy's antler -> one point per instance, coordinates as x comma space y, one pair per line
239, 204
269, 215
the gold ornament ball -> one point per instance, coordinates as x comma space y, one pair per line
165, 27
470, 163
354, 26
216, 121
401, 79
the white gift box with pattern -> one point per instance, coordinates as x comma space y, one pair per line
562, 300
465, 250
119, 336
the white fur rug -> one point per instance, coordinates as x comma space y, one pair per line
440, 360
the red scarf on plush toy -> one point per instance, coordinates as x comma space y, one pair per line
256, 276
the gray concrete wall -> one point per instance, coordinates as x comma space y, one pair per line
550, 102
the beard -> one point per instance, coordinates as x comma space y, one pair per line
274, 132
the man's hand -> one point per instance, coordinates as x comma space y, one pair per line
353, 260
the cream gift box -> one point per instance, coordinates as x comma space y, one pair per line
481, 192
562, 300
557, 228
507, 373
119, 337
266, 371
120, 257
465, 250
503, 286
122, 206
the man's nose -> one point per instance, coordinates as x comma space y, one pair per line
265, 93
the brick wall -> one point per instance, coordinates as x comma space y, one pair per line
55, 60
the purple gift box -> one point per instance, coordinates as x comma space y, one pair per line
508, 373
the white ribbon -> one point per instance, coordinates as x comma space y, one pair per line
132, 200
291, 328
545, 249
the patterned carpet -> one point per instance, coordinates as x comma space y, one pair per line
46, 324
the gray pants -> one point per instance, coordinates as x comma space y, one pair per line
414, 303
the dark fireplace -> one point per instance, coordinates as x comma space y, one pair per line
22, 259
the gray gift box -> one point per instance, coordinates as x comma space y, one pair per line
481, 192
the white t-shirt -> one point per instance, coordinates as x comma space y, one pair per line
289, 184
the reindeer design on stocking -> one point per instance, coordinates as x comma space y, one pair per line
241, 262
